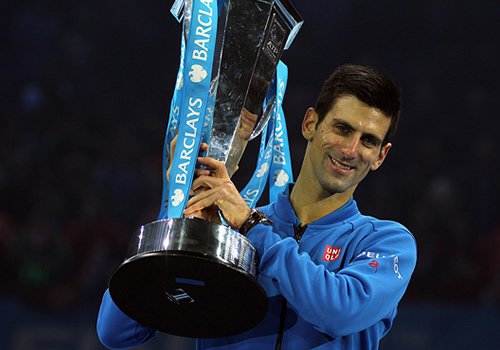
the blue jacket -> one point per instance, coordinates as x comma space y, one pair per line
342, 283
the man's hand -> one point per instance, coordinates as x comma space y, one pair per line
214, 187
210, 213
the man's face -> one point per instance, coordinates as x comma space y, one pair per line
346, 145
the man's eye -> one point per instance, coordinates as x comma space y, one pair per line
342, 129
369, 142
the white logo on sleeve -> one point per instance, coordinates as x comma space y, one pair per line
395, 263
178, 197
197, 73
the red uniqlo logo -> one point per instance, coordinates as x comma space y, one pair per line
331, 253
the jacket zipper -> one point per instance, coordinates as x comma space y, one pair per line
298, 233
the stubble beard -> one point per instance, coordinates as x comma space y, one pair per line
334, 184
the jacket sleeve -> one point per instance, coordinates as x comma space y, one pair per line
116, 330
363, 292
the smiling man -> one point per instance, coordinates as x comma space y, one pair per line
333, 276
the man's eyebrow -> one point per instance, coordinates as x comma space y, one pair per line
343, 122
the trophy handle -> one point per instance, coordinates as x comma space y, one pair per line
177, 10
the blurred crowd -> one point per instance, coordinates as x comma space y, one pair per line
84, 98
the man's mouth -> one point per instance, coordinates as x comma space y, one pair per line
342, 166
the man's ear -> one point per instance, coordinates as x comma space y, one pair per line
309, 123
381, 156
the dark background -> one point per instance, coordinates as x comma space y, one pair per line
84, 99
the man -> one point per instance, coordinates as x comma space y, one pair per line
333, 276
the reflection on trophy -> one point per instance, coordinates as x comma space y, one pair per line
246, 125
188, 276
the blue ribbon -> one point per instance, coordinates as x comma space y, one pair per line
274, 160
198, 60
280, 173
173, 123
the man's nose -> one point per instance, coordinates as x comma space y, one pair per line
350, 146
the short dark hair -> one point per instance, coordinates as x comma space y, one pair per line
368, 85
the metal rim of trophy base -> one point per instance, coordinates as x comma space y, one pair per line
191, 278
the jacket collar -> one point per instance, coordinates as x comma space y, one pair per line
285, 212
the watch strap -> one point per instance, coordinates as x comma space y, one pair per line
256, 217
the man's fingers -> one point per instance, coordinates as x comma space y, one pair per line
203, 146
201, 172
200, 201
219, 167
173, 143
208, 182
213, 189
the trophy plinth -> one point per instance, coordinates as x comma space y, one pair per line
190, 277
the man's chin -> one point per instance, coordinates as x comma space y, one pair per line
341, 187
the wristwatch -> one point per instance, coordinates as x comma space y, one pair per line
256, 217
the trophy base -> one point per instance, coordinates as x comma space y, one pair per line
202, 285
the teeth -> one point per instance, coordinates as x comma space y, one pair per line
340, 165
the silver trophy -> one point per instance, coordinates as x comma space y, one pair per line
190, 277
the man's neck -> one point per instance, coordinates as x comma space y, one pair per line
311, 202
